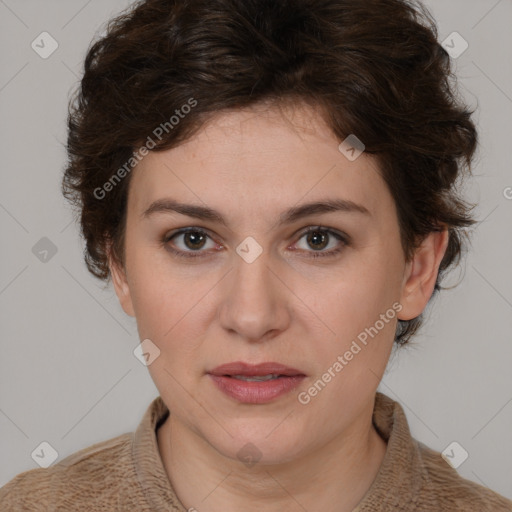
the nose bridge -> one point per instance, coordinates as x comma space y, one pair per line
253, 304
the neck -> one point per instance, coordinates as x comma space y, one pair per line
334, 477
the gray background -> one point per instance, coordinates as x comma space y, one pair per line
67, 372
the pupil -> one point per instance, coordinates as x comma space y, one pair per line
316, 236
196, 238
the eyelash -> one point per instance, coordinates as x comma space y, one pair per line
344, 239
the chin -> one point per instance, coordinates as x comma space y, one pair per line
258, 447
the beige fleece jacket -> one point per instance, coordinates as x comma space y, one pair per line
126, 473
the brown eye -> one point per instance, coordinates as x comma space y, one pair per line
317, 239
194, 239
189, 243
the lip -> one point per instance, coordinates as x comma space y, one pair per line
255, 392
254, 370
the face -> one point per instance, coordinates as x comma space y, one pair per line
240, 279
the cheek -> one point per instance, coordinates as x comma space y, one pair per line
170, 304
357, 305
352, 360
157, 303
366, 288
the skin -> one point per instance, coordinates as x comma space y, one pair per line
286, 306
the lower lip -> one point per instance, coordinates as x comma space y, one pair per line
256, 392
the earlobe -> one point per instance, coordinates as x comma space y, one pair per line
421, 274
121, 286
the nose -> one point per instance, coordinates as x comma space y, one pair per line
255, 302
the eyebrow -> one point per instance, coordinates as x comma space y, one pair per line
168, 205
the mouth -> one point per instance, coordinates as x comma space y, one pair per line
264, 371
259, 378
255, 384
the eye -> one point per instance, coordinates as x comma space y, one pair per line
318, 238
193, 240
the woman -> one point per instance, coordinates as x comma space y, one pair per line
271, 188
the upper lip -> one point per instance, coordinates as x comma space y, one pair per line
254, 370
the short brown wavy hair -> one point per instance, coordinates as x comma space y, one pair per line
373, 68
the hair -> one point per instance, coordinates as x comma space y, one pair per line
373, 68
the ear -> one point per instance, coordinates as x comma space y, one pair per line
120, 282
421, 274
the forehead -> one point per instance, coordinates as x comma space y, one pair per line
261, 159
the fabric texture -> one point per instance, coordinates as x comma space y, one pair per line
126, 473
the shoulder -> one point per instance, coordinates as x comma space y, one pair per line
413, 477
78, 480
448, 491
